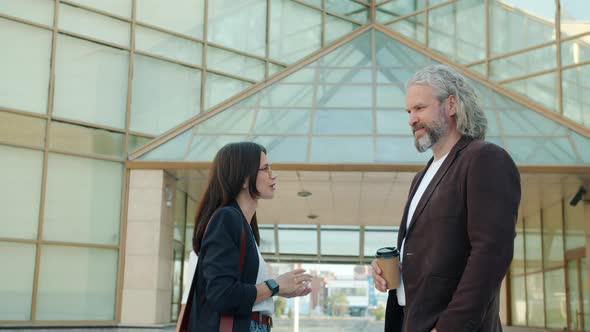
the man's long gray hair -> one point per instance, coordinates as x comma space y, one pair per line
445, 81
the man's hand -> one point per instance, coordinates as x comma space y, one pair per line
379, 282
433, 330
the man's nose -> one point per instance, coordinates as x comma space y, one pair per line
412, 119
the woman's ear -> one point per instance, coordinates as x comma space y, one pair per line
245, 185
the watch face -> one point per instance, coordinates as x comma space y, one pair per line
273, 286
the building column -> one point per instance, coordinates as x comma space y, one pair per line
147, 284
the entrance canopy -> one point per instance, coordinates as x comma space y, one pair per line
348, 107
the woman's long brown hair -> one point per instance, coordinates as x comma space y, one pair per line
232, 166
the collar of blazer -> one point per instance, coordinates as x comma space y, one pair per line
460, 145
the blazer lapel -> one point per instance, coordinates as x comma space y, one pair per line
435, 181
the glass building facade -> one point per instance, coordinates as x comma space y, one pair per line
93, 91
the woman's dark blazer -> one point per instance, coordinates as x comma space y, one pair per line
220, 287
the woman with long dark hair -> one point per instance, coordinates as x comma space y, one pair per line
232, 291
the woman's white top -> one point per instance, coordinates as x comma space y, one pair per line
192, 266
266, 306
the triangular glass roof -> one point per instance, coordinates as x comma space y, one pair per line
348, 107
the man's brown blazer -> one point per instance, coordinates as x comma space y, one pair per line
459, 243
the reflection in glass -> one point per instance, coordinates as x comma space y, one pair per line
83, 200
239, 25
541, 89
184, 16
74, 138
576, 100
16, 287
230, 121
87, 23
20, 181
295, 31
164, 95
219, 88
556, 311
267, 238
25, 74
235, 64
412, 27
378, 237
77, 283
523, 63
38, 11
167, 45
454, 31
336, 28
295, 239
530, 23
22, 129
574, 17
575, 51
117, 7
91, 82
518, 300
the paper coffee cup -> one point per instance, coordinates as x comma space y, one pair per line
388, 261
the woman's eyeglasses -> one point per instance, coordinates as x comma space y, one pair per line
266, 169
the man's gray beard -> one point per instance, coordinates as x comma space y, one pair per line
431, 136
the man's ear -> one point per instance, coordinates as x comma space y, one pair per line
451, 106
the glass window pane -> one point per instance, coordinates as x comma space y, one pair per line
345, 75
556, 300
411, 27
164, 95
574, 293
535, 303
295, 31
16, 287
457, 24
523, 63
576, 100
182, 16
77, 283
174, 149
553, 236
228, 20
287, 121
284, 148
179, 215
286, 95
575, 51
39, 11
204, 148
393, 122
267, 239
518, 300
529, 22
83, 200
273, 69
22, 129
219, 88
574, 18
543, 151
20, 195
298, 240
391, 96
342, 149
542, 89
532, 242
235, 64
345, 96
340, 242
524, 122
390, 53
350, 9
518, 260
582, 144
379, 237
399, 149
345, 122
167, 45
73, 138
398, 8
117, 7
135, 142
336, 28
26, 52
87, 23
90, 82
574, 222
230, 121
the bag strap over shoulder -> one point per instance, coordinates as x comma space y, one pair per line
227, 320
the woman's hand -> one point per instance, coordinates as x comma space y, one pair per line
301, 291
294, 282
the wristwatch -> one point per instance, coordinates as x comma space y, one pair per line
273, 286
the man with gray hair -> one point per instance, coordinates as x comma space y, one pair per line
456, 236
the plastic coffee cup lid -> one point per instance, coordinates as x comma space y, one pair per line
387, 252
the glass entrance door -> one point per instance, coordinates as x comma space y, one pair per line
577, 286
